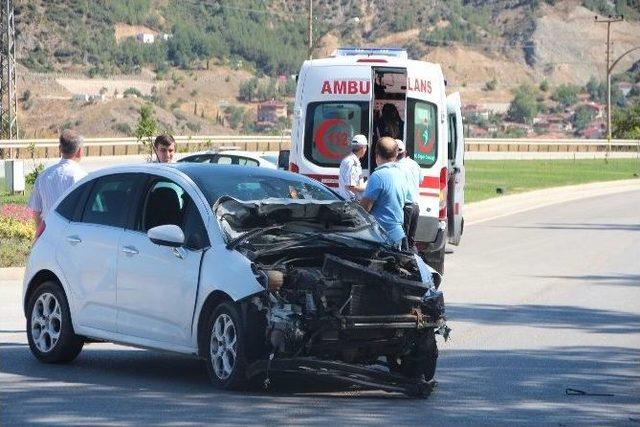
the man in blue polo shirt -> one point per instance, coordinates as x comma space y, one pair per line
386, 192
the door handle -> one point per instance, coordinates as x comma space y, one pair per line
129, 250
74, 240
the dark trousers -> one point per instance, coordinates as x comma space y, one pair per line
411, 214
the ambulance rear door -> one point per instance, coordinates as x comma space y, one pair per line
456, 180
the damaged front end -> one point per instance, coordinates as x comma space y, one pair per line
338, 302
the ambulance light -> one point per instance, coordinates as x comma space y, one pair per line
387, 51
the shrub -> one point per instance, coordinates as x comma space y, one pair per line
31, 177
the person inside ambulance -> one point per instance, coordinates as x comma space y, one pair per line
386, 192
351, 182
411, 170
389, 123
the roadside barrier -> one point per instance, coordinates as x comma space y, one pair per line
44, 148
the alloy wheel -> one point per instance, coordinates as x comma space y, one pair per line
224, 346
46, 322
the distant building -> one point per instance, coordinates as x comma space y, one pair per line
625, 88
592, 132
166, 36
146, 38
270, 112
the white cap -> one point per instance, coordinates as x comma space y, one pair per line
359, 141
401, 146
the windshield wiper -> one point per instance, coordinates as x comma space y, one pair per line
251, 233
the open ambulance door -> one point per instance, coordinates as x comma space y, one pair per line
455, 184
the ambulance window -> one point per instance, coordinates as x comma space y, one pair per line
422, 141
330, 126
453, 136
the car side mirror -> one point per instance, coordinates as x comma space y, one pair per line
283, 159
166, 235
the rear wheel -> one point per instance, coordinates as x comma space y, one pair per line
435, 259
49, 328
226, 361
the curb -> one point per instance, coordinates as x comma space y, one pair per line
489, 209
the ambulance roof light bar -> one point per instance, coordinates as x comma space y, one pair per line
395, 52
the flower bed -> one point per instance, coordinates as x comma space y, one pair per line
17, 231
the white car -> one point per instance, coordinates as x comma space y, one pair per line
263, 159
257, 271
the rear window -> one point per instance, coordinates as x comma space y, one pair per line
329, 128
422, 140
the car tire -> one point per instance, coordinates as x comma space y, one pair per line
225, 348
429, 349
435, 260
420, 362
49, 328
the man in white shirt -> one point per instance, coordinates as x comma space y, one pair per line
351, 182
56, 179
412, 173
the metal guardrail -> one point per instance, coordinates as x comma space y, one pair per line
274, 143
97, 142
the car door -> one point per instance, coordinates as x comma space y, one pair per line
89, 250
157, 285
455, 196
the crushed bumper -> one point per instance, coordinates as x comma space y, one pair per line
344, 373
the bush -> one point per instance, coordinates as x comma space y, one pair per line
30, 178
123, 128
524, 106
566, 95
132, 91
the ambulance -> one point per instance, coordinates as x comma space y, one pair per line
378, 92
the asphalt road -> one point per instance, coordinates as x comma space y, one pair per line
539, 302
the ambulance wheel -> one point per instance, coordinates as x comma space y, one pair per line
435, 260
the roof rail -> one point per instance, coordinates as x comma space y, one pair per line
372, 51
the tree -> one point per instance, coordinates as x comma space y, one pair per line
146, 128
582, 117
566, 95
248, 89
626, 122
524, 106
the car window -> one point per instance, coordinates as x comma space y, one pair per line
68, 207
195, 233
167, 203
422, 141
225, 160
329, 128
163, 205
109, 200
245, 161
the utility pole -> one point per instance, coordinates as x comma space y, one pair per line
310, 29
8, 96
609, 20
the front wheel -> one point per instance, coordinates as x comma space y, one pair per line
420, 362
226, 361
49, 329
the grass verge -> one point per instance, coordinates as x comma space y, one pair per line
483, 177
14, 251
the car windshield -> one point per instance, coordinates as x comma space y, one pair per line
250, 186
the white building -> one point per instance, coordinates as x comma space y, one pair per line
146, 38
